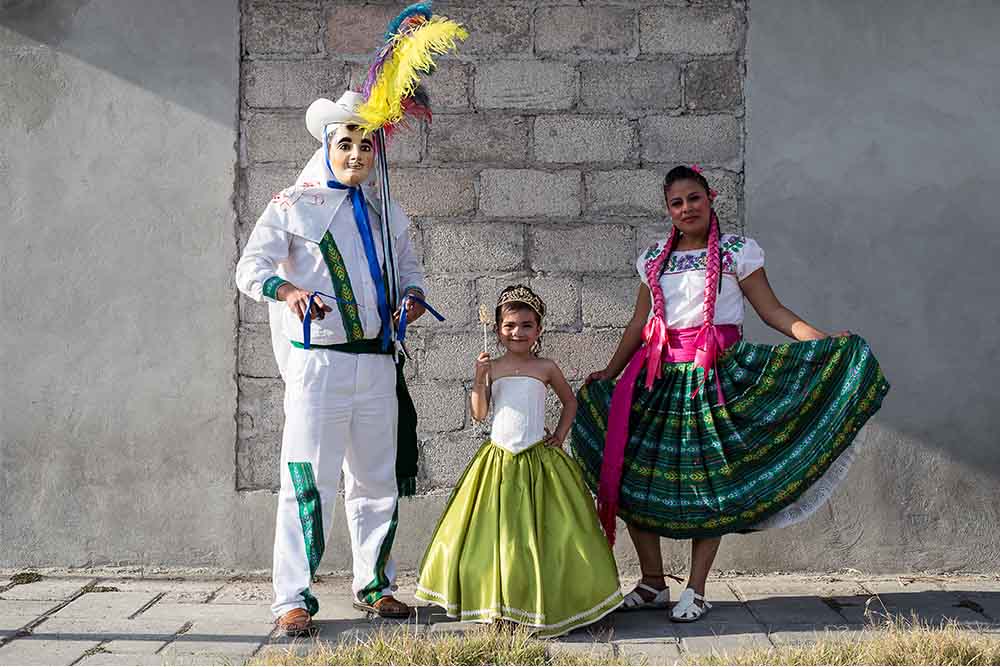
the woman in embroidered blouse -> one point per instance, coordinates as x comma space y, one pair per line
706, 434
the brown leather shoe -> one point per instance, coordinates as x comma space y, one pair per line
385, 607
296, 623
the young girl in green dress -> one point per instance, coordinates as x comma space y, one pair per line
520, 539
705, 434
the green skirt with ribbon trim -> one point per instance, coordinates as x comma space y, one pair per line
694, 468
520, 540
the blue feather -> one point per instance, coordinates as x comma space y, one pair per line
422, 8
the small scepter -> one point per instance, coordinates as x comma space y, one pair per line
486, 321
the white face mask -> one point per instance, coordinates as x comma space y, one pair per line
351, 154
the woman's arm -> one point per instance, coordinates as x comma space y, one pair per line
760, 295
631, 338
565, 393
480, 396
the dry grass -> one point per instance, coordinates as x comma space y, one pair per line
897, 641
400, 645
894, 642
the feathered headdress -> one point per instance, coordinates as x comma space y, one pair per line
392, 89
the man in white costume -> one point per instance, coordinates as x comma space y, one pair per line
323, 236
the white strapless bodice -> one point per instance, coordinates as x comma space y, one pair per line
518, 412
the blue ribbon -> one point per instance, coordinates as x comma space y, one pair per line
307, 320
364, 229
401, 336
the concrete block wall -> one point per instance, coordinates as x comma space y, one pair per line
552, 129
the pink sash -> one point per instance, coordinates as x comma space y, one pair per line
701, 345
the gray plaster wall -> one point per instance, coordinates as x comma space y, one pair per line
872, 168
117, 169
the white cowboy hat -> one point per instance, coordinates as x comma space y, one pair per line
324, 112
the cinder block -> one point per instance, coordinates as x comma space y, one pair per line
561, 295
448, 87
256, 358
279, 137
609, 302
525, 84
281, 29
713, 85
504, 29
583, 139
440, 406
580, 354
708, 140
451, 356
464, 248
357, 28
261, 407
406, 145
434, 192
580, 29
452, 297
727, 205
478, 138
704, 30
444, 457
289, 83
585, 248
257, 463
631, 86
625, 192
648, 234
529, 193
262, 182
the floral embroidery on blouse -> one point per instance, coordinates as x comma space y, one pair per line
680, 262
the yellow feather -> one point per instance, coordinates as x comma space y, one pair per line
412, 56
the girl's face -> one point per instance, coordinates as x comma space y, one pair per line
689, 207
519, 329
351, 155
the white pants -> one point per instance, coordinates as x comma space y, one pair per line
340, 414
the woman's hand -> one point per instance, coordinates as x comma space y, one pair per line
841, 334
298, 301
483, 363
600, 375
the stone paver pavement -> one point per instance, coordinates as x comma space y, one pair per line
102, 619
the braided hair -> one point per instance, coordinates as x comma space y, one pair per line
713, 266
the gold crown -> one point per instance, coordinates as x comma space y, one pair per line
522, 294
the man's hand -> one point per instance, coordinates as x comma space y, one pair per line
413, 309
298, 300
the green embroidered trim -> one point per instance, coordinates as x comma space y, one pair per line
373, 591
342, 288
311, 516
271, 286
312, 604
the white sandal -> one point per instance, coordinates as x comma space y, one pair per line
634, 601
686, 610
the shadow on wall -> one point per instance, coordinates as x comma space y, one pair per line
114, 35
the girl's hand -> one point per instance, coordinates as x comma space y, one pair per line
553, 439
604, 374
298, 301
482, 367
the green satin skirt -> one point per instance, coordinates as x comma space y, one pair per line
520, 540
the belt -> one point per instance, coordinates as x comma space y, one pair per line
364, 346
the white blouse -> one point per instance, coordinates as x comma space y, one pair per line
683, 281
